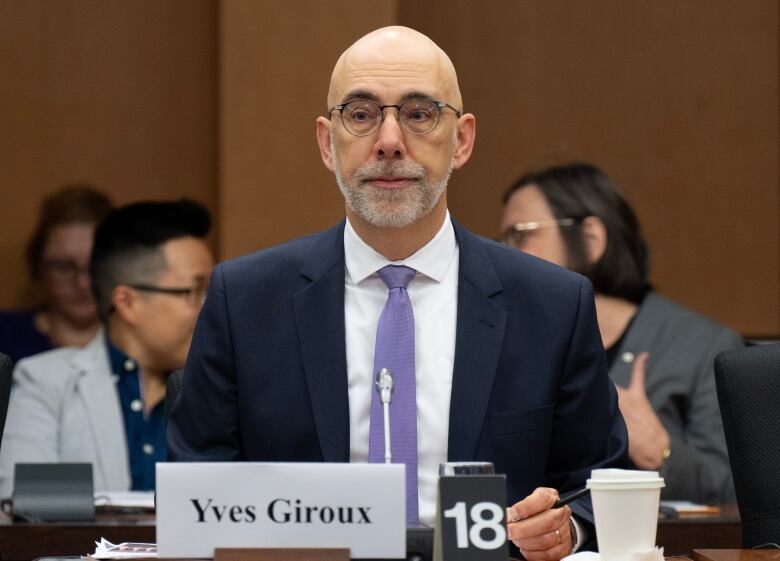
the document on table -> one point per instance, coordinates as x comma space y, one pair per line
107, 550
126, 499
687, 507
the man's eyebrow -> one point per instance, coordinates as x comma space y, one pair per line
365, 94
415, 95
360, 94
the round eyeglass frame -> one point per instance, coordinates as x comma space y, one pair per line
439, 105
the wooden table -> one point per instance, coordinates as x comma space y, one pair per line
712, 531
736, 554
23, 542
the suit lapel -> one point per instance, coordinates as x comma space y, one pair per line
479, 337
319, 316
641, 336
104, 412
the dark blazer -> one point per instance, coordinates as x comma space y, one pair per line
680, 383
266, 377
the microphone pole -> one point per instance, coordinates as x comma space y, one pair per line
384, 387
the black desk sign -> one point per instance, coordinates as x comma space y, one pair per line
471, 519
57, 492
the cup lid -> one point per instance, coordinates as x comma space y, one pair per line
622, 474
596, 485
624, 479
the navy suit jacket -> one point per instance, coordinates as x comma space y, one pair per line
266, 377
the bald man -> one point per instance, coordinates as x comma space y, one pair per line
496, 355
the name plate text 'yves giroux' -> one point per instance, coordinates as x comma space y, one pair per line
202, 506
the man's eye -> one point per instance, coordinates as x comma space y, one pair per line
360, 115
419, 115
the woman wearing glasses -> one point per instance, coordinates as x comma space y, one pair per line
660, 355
58, 260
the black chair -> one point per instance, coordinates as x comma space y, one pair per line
172, 389
6, 369
748, 383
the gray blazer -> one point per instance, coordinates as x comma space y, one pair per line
64, 408
680, 384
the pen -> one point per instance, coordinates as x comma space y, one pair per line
563, 501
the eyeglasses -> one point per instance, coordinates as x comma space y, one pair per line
64, 270
193, 295
516, 233
362, 117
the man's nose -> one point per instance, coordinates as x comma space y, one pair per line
390, 137
82, 280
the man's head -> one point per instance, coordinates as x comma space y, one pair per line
150, 269
396, 175
575, 216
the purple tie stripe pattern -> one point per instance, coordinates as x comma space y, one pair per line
395, 351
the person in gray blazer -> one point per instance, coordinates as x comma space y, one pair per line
660, 354
104, 403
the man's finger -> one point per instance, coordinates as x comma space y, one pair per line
553, 546
541, 499
638, 373
539, 524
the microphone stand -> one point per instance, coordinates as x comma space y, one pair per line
384, 386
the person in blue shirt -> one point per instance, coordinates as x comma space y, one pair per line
104, 403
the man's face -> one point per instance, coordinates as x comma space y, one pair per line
166, 321
526, 205
392, 178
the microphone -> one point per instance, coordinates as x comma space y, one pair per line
384, 387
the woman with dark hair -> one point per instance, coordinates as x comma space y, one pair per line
660, 355
58, 260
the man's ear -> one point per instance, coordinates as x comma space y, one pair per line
125, 302
467, 130
323, 140
594, 239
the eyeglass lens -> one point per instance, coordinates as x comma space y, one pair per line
64, 269
362, 117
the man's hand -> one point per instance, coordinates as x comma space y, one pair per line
540, 532
648, 440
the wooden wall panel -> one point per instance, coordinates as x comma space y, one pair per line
120, 94
678, 101
275, 65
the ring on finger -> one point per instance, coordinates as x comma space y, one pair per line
558, 536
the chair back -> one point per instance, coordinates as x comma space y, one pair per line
6, 369
172, 389
748, 384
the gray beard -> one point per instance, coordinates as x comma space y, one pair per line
389, 208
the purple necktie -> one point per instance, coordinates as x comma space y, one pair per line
395, 351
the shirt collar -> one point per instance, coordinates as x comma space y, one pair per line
432, 260
120, 362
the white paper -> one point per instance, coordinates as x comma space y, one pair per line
686, 506
126, 499
107, 550
656, 554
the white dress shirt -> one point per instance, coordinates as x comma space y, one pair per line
434, 296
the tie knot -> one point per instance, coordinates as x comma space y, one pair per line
396, 276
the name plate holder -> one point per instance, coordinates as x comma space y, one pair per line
278, 511
281, 554
471, 519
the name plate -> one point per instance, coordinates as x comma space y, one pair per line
203, 506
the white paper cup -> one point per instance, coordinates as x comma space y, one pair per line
625, 508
